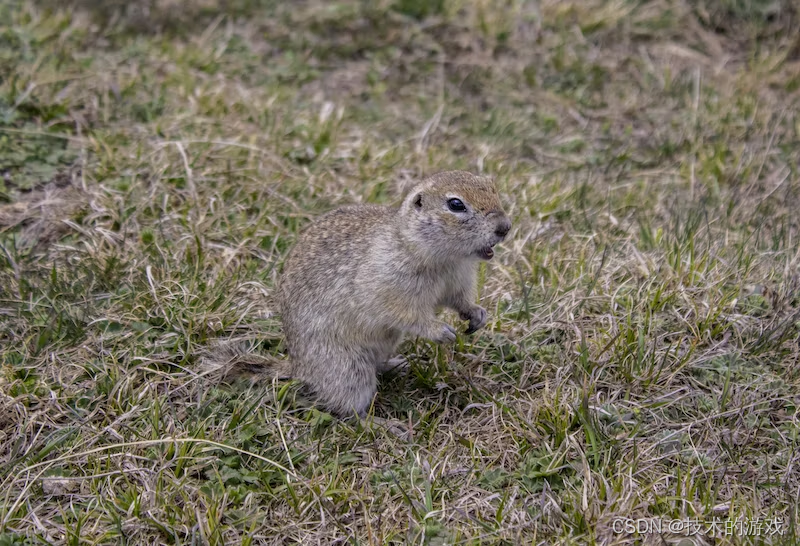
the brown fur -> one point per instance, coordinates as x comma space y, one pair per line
361, 277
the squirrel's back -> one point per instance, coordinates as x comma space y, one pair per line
319, 289
328, 252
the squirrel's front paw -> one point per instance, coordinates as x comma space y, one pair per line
476, 317
446, 334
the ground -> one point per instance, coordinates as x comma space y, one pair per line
158, 159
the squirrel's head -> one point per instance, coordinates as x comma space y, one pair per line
457, 214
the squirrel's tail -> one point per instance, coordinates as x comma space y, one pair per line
229, 361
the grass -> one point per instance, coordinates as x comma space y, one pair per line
641, 358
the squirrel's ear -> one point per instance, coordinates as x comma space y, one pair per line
418, 200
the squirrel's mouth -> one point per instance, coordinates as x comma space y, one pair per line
485, 253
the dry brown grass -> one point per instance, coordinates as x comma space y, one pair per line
641, 359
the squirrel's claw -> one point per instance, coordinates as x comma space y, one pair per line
446, 334
477, 319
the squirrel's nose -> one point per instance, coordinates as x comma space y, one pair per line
503, 227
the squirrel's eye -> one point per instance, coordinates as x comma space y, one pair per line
456, 205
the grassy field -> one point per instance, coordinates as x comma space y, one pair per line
641, 359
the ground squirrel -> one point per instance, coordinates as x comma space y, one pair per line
361, 277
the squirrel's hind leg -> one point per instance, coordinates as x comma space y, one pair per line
342, 381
